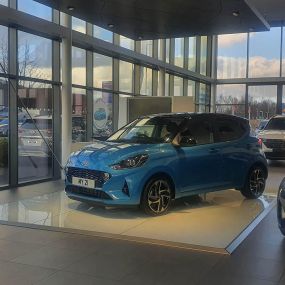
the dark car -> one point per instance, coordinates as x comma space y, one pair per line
159, 158
281, 207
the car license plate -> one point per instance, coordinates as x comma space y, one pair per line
83, 182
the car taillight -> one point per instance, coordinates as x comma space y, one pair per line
260, 142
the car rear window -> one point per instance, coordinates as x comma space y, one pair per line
276, 124
229, 130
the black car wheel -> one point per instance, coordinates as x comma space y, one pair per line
157, 196
255, 183
280, 214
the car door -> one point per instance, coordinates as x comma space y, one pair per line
198, 157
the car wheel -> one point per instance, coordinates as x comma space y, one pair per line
280, 214
255, 183
157, 196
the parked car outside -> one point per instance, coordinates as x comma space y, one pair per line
159, 158
281, 207
272, 138
261, 126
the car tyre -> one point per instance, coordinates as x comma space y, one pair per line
157, 196
280, 214
255, 183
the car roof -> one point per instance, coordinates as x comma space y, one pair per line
193, 114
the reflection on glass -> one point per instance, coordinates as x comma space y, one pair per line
102, 34
3, 49
34, 155
36, 9
203, 98
145, 81
178, 86
167, 50
283, 54
34, 56
146, 47
78, 66
78, 115
283, 100
166, 84
102, 71
264, 53
232, 55
204, 54
4, 132
78, 25
192, 54
179, 52
230, 99
127, 43
102, 114
262, 103
161, 49
191, 88
126, 76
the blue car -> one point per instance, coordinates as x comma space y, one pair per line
159, 158
281, 207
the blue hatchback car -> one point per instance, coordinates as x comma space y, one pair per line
159, 158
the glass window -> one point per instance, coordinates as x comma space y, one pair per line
78, 115
4, 132
146, 48
167, 50
102, 114
203, 98
35, 133
283, 54
283, 100
145, 81
262, 103
4, 2
34, 56
102, 34
102, 71
179, 52
191, 88
166, 84
78, 66
203, 56
36, 9
192, 54
232, 55
161, 49
127, 43
78, 25
264, 53
126, 76
230, 99
3, 49
178, 86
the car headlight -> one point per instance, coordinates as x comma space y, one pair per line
131, 162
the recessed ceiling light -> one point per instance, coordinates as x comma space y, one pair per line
111, 26
139, 38
236, 13
70, 8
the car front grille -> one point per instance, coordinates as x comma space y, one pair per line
97, 176
275, 144
98, 194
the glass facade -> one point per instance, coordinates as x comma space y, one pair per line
4, 2
78, 25
203, 55
179, 52
178, 86
145, 81
78, 66
127, 43
34, 8
102, 34
126, 71
192, 54
102, 71
191, 88
146, 47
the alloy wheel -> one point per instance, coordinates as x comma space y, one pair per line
257, 181
159, 196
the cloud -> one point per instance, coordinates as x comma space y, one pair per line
229, 40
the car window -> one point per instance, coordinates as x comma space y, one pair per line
228, 130
276, 124
197, 132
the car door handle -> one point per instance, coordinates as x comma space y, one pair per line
213, 150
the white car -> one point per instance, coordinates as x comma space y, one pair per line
272, 138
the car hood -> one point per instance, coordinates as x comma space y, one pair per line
272, 134
107, 153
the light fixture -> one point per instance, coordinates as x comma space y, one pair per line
236, 13
139, 38
70, 8
111, 26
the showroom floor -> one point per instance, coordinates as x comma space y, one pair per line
37, 256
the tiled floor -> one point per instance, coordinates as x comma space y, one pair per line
30, 256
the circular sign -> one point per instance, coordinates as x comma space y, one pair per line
100, 115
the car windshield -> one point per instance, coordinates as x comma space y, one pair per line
149, 130
262, 124
276, 124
